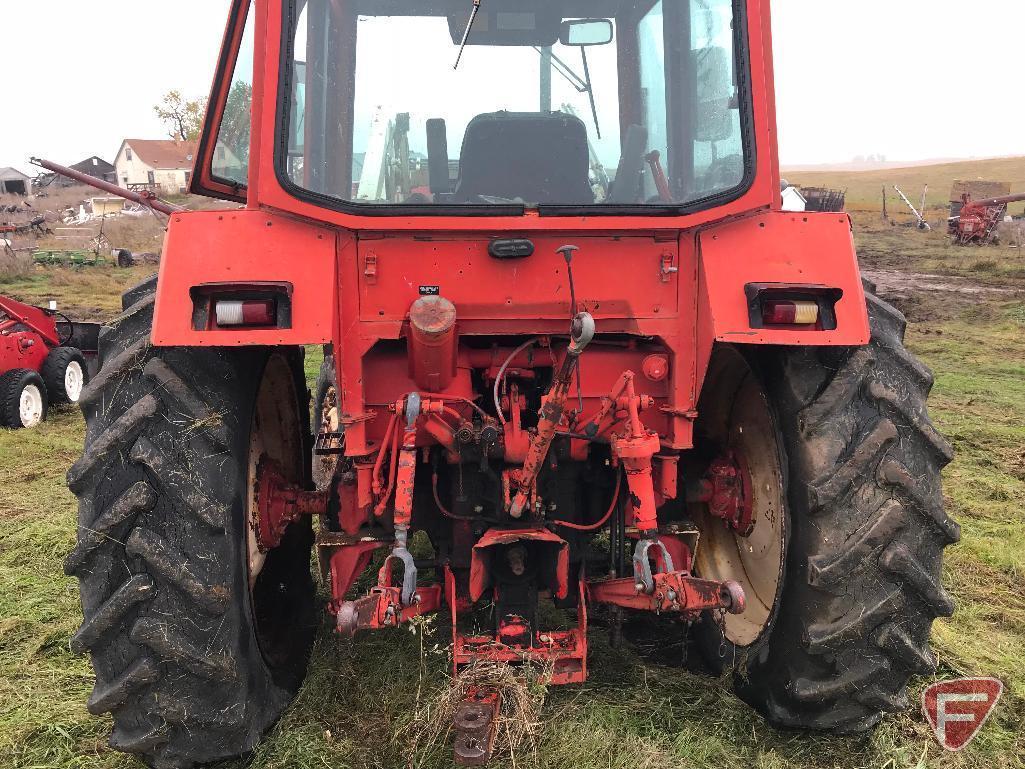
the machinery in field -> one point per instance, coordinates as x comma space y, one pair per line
589, 369
41, 362
978, 220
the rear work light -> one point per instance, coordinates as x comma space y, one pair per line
792, 306
252, 312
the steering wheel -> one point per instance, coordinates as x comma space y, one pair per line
71, 330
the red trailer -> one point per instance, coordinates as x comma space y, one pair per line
589, 369
41, 361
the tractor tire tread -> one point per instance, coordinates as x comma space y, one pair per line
863, 583
139, 498
137, 589
163, 619
114, 370
119, 434
144, 290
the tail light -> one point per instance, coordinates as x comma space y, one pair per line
792, 306
254, 312
241, 306
784, 312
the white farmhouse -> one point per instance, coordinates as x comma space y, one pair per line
163, 166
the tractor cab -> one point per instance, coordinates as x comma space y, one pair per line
446, 107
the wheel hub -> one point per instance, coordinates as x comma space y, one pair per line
279, 503
726, 489
73, 381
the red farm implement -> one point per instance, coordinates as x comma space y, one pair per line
582, 366
43, 361
978, 220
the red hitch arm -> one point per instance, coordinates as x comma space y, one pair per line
383, 608
551, 412
675, 591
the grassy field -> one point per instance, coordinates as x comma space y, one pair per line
631, 712
864, 189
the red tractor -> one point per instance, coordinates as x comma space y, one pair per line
578, 361
39, 365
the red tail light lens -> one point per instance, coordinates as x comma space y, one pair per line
253, 312
786, 312
792, 306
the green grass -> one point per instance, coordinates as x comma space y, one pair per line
899, 248
83, 293
359, 694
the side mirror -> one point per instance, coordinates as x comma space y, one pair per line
581, 32
714, 121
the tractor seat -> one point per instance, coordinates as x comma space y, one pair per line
538, 157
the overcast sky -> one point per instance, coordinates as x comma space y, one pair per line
908, 79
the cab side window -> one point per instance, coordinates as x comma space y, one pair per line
230, 162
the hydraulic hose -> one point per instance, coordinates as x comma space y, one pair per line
604, 519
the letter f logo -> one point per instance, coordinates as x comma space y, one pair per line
956, 710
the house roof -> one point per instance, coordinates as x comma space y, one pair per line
94, 165
12, 174
163, 154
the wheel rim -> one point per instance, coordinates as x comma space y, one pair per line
276, 434
30, 406
74, 379
746, 427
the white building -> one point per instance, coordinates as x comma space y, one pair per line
14, 182
163, 166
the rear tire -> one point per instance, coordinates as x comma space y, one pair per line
868, 530
193, 664
65, 374
23, 399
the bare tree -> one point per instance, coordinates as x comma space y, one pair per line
184, 118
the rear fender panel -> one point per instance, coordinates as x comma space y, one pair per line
811, 249
785, 248
245, 247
